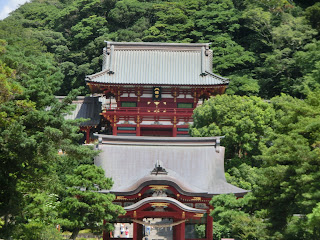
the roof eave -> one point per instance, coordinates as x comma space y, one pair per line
157, 44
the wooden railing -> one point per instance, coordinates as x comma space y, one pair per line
147, 111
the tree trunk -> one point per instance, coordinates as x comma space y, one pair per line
75, 233
6, 224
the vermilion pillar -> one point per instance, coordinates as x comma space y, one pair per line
106, 234
114, 129
209, 227
179, 231
135, 234
138, 130
87, 135
174, 130
139, 232
182, 230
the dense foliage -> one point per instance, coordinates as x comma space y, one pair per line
265, 47
38, 147
272, 149
270, 49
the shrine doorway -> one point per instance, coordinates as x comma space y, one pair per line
159, 228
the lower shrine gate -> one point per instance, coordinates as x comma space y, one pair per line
169, 179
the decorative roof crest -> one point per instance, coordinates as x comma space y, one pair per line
158, 169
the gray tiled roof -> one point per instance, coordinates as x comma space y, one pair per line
157, 63
194, 165
85, 107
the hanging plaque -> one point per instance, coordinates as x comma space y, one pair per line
156, 93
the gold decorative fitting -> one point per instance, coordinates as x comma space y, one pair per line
121, 198
178, 195
196, 199
158, 187
174, 119
139, 194
159, 204
199, 215
183, 215
134, 214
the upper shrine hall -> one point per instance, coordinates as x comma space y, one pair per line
162, 177
156, 86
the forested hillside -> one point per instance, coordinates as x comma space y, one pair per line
269, 49
264, 46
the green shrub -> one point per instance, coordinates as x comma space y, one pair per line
37, 231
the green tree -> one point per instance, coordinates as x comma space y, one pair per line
244, 121
308, 60
312, 14
8, 87
228, 55
127, 12
84, 207
88, 29
314, 221
288, 182
32, 131
243, 85
236, 218
172, 23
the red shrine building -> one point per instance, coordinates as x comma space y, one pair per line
156, 86
162, 177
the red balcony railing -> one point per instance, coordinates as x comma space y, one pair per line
147, 111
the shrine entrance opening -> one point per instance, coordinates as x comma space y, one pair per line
159, 228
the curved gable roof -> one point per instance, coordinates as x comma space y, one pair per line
194, 165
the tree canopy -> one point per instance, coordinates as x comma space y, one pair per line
262, 44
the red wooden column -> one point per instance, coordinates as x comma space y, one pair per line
106, 234
114, 128
182, 230
135, 234
88, 135
140, 232
138, 129
209, 227
174, 130
179, 231
176, 231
